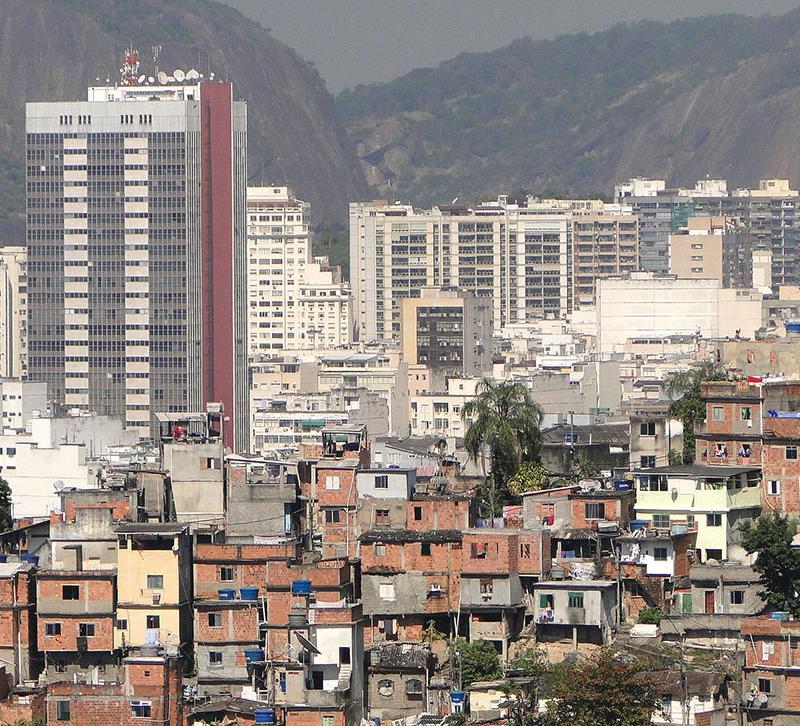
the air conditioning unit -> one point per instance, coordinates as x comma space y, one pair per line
156, 598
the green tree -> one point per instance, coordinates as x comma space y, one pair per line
532, 661
505, 422
606, 689
777, 563
683, 387
476, 660
531, 476
6, 522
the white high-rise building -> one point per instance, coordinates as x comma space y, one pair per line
296, 301
13, 312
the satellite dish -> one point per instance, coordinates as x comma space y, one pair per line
162, 77
170, 79
58, 485
179, 75
151, 79
211, 76
191, 75
141, 79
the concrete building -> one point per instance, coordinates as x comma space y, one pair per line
516, 255
604, 244
719, 500
713, 248
644, 305
447, 330
137, 250
19, 402
13, 312
584, 610
296, 301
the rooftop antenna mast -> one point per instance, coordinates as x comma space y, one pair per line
156, 53
130, 67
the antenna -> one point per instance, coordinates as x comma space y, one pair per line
130, 67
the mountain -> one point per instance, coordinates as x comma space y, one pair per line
715, 95
55, 49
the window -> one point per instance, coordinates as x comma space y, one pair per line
647, 428
487, 586
226, 574
333, 482
386, 591
414, 688
155, 582
546, 600
425, 549
344, 655
62, 711
765, 685
382, 481
70, 592
215, 620
713, 520
215, 658
575, 600
713, 554
774, 487
525, 550
122, 624
660, 554
328, 720
380, 550
382, 516
595, 510
745, 413
86, 630
647, 462
52, 629
153, 622
737, 597
417, 514
661, 521
478, 550
791, 452
333, 516
718, 413
140, 709
386, 687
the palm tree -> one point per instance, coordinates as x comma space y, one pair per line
504, 421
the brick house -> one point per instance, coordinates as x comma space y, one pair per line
147, 688
18, 621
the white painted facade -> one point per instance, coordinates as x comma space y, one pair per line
13, 312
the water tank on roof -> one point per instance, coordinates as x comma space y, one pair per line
301, 587
264, 715
248, 593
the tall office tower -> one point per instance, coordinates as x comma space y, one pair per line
296, 301
137, 249
517, 255
13, 312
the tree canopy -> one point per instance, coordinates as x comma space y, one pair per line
777, 563
505, 426
477, 660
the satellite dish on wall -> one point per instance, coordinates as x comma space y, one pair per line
179, 75
58, 485
162, 77
192, 75
141, 79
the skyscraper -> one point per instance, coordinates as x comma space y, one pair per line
137, 249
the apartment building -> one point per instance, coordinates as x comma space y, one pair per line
604, 243
713, 248
136, 245
19, 402
449, 331
13, 312
517, 256
295, 301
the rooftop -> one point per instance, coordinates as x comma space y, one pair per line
700, 471
394, 656
615, 434
400, 536
574, 584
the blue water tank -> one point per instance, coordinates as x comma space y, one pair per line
30, 559
301, 587
226, 593
792, 326
639, 524
252, 655
264, 715
621, 485
248, 593
780, 615
457, 696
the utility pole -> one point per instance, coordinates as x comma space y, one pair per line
616, 547
684, 686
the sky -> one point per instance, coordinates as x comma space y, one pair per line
364, 41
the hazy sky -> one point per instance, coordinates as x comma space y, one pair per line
362, 41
